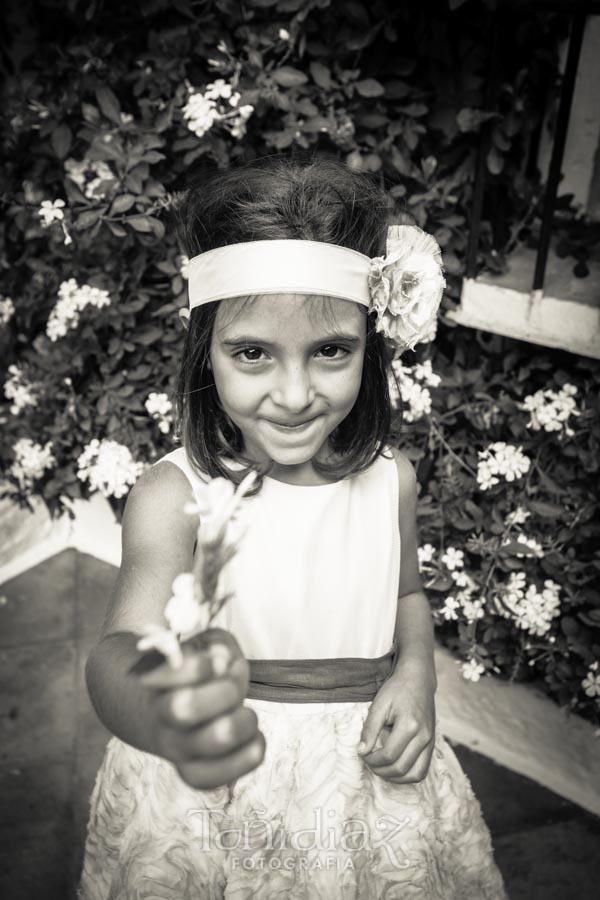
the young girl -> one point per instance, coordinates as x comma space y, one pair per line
311, 768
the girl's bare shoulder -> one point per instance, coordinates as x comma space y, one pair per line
154, 512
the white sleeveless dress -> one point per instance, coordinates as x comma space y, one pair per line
315, 576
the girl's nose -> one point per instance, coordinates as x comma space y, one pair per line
294, 391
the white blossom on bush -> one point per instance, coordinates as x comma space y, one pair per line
529, 542
518, 516
530, 609
7, 310
462, 579
159, 406
591, 682
51, 211
72, 299
184, 266
108, 467
412, 380
199, 112
91, 176
424, 372
448, 610
453, 558
31, 461
472, 670
501, 459
473, 609
19, 390
217, 103
425, 553
549, 410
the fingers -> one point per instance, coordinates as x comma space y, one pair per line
195, 669
192, 705
220, 738
212, 773
405, 755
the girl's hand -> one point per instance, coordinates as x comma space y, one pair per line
199, 720
404, 712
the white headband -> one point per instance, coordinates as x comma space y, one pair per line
279, 267
404, 288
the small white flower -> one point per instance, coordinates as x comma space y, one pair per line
159, 406
200, 112
472, 670
284, 35
425, 553
453, 558
72, 299
591, 682
472, 609
518, 517
184, 266
424, 372
7, 310
501, 459
91, 176
448, 610
108, 467
183, 611
549, 410
528, 542
31, 461
19, 390
51, 211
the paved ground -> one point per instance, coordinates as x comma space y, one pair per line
52, 743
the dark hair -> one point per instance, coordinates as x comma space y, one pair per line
317, 199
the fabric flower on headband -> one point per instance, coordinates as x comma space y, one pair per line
406, 287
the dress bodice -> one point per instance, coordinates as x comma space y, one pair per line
316, 573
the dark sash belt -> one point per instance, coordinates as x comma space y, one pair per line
340, 680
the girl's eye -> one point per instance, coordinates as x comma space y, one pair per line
253, 354
335, 347
248, 350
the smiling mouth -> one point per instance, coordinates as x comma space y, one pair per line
298, 425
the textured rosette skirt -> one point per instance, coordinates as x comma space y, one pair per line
312, 821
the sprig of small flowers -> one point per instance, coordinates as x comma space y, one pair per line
196, 599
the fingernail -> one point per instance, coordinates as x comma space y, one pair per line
362, 747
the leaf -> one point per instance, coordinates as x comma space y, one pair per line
369, 87
117, 229
122, 203
87, 219
469, 119
321, 75
148, 335
109, 104
287, 76
546, 510
495, 161
140, 223
61, 140
157, 227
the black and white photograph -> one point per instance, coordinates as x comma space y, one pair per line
300, 450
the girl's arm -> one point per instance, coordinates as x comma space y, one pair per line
193, 716
158, 539
414, 624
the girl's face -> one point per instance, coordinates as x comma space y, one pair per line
287, 375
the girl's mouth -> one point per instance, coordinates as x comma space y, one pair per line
304, 426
